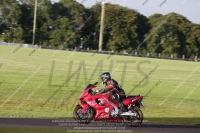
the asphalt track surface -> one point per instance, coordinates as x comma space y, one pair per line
72, 126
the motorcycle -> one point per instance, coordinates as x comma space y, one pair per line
98, 106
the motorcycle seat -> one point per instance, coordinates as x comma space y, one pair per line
130, 97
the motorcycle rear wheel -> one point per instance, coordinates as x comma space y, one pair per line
85, 118
134, 121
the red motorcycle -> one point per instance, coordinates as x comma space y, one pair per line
98, 106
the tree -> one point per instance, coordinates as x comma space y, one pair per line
160, 27
193, 42
62, 33
79, 18
143, 27
68, 23
10, 23
120, 27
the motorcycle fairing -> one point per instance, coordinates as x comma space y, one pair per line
131, 99
102, 112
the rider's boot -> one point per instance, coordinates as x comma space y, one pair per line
122, 108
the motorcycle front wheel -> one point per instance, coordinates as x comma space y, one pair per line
85, 118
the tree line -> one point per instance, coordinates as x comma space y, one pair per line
68, 24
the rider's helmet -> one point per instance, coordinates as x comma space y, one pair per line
105, 76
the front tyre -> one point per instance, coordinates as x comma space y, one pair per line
134, 121
85, 118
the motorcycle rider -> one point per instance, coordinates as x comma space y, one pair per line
117, 93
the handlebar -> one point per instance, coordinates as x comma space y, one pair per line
95, 83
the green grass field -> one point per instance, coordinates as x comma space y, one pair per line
27, 82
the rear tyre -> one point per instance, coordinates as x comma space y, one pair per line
134, 121
85, 118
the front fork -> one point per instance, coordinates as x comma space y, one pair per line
84, 107
84, 113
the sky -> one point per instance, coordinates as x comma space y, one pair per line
187, 8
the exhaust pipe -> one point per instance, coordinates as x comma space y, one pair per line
129, 114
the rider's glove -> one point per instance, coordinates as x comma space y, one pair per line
100, 90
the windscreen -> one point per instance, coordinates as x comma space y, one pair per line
89, 85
